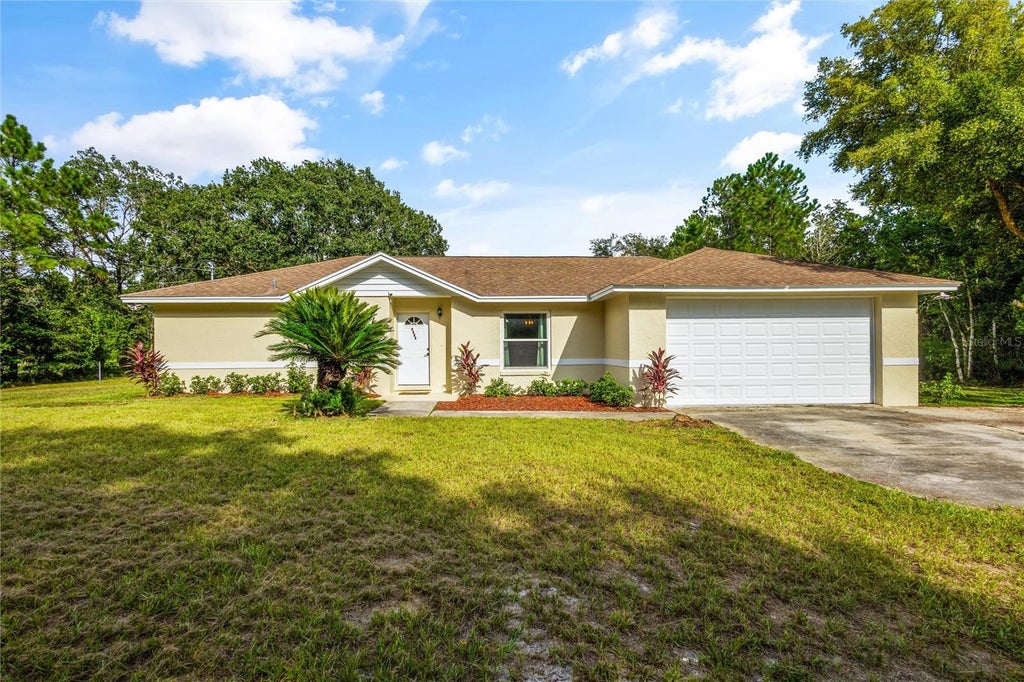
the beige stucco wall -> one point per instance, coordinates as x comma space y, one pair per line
577, 333
896, 349
195, 337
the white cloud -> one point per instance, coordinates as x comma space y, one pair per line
373, 102
676, 107
647, 33
194, 140
752, 148
262, 39
472, 192
537, 221
391, 164
492, 127
768, 70
437, 153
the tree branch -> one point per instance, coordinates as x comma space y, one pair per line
1004, 210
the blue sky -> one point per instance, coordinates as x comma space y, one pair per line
525, 128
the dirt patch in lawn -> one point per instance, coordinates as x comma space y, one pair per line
534, 403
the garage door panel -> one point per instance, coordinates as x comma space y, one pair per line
771, 351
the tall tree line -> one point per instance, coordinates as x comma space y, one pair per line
75, 236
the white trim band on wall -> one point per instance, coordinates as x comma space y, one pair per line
906, 362
278, 364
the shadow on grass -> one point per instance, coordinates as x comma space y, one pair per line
240, 553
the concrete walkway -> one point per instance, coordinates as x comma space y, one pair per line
964, 454
405, 408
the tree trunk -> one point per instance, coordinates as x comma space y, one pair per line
329, 375
969, 349
1004, 210
956, 344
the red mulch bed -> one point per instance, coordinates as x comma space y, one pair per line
527, 403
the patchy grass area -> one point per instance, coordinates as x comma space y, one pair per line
217, 537
985, 396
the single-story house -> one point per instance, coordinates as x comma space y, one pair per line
745, 329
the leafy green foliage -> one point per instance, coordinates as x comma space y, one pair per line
334, 329
297, 379
467, 369
632, 244
146, 366
610, 392
658, 375
942, 392
170, 385
928, 109
266, 383
542, 386
237, 383
499, 388
572, 387
343, 400
202, 385
763, 210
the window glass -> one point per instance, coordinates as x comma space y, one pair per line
526, 340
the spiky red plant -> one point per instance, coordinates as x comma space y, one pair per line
658, 376
146, 366
365, 378
468, 370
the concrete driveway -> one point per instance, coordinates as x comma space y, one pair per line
965, 454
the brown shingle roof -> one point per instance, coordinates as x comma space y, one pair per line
709, 267
563, 275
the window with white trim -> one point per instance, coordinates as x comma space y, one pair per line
525, 340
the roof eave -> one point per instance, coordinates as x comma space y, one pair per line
849, 288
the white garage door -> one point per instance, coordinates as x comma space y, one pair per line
765, 351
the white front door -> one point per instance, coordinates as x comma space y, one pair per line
413, 349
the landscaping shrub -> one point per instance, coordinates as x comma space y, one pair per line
297, 378
499, 388
468, 370
610, 392
346, 400
146, 366
658, 376
237, 383
266, 383
203, 385
944, 391
572, 387
364, 379
542, 387
170, 384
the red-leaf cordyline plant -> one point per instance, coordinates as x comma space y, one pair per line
658, 376
364, 379
468, 370
146, 366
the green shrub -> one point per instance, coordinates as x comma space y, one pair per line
203, 385
171, 384
237, 383
610, 392
346, 399
266, 383
297, 378
942, 392
574, 387
499, 388
542, 387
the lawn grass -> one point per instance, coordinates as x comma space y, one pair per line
206, 537
985, 396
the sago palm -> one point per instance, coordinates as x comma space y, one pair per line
334, 329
